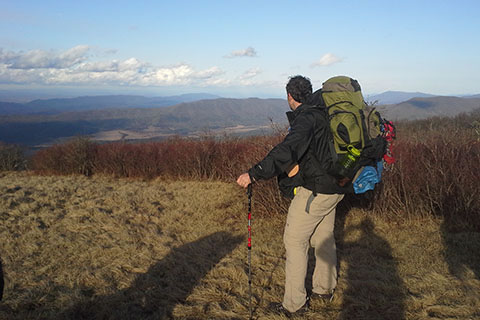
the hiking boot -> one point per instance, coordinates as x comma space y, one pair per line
326, 297
278, 308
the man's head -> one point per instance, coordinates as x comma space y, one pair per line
299, 88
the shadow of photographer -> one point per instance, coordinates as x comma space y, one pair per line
154, 294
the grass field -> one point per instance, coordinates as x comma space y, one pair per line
102, 248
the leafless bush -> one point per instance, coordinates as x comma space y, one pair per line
436, 172
73, 157
11, 157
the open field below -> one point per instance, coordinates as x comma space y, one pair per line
75, 247
159, 133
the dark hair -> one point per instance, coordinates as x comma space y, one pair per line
300, 88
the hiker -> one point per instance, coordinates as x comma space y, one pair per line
311, 215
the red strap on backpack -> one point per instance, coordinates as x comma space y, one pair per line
389, 134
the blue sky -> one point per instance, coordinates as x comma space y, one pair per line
239, 48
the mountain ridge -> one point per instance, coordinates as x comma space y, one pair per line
81, 103
392, 97
182, 119
218, 115
422, 108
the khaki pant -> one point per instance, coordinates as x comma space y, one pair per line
310, 221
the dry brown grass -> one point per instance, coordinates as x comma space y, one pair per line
102, 248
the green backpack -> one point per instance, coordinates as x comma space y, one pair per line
343, 99
346, 109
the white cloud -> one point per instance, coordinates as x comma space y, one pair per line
112, 66
72, 56
179, 74
209, 73
327, 60
98, 66
250, 73
74, 66
6, 57
40, 59
248, 52
215, 82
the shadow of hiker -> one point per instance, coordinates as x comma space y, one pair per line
374, 288
154, 294
461, 247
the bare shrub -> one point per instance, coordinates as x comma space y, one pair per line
73, 157
79, 156
192, 159
436, 173
49, 161
122, 159
11, 157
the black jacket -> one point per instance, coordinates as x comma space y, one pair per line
307, 144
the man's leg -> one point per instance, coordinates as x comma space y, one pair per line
324, 278
299, 228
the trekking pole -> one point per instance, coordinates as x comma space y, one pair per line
249, 194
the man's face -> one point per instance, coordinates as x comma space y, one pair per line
290, 102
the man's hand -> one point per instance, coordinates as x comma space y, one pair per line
244, 180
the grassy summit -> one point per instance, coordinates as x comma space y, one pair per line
102, 248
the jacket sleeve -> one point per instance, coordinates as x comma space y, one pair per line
288, 152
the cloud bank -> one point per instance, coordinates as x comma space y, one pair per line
76, 66
42, 59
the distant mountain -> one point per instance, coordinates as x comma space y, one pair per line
392, 97
474, 96
53, 106
221, 115
422, 108
10, 108
181, 119
26, 95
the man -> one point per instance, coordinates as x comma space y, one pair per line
311, 214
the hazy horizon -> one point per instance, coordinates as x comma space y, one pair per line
22, 95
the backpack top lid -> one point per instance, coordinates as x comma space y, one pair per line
341, 83
342, 89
